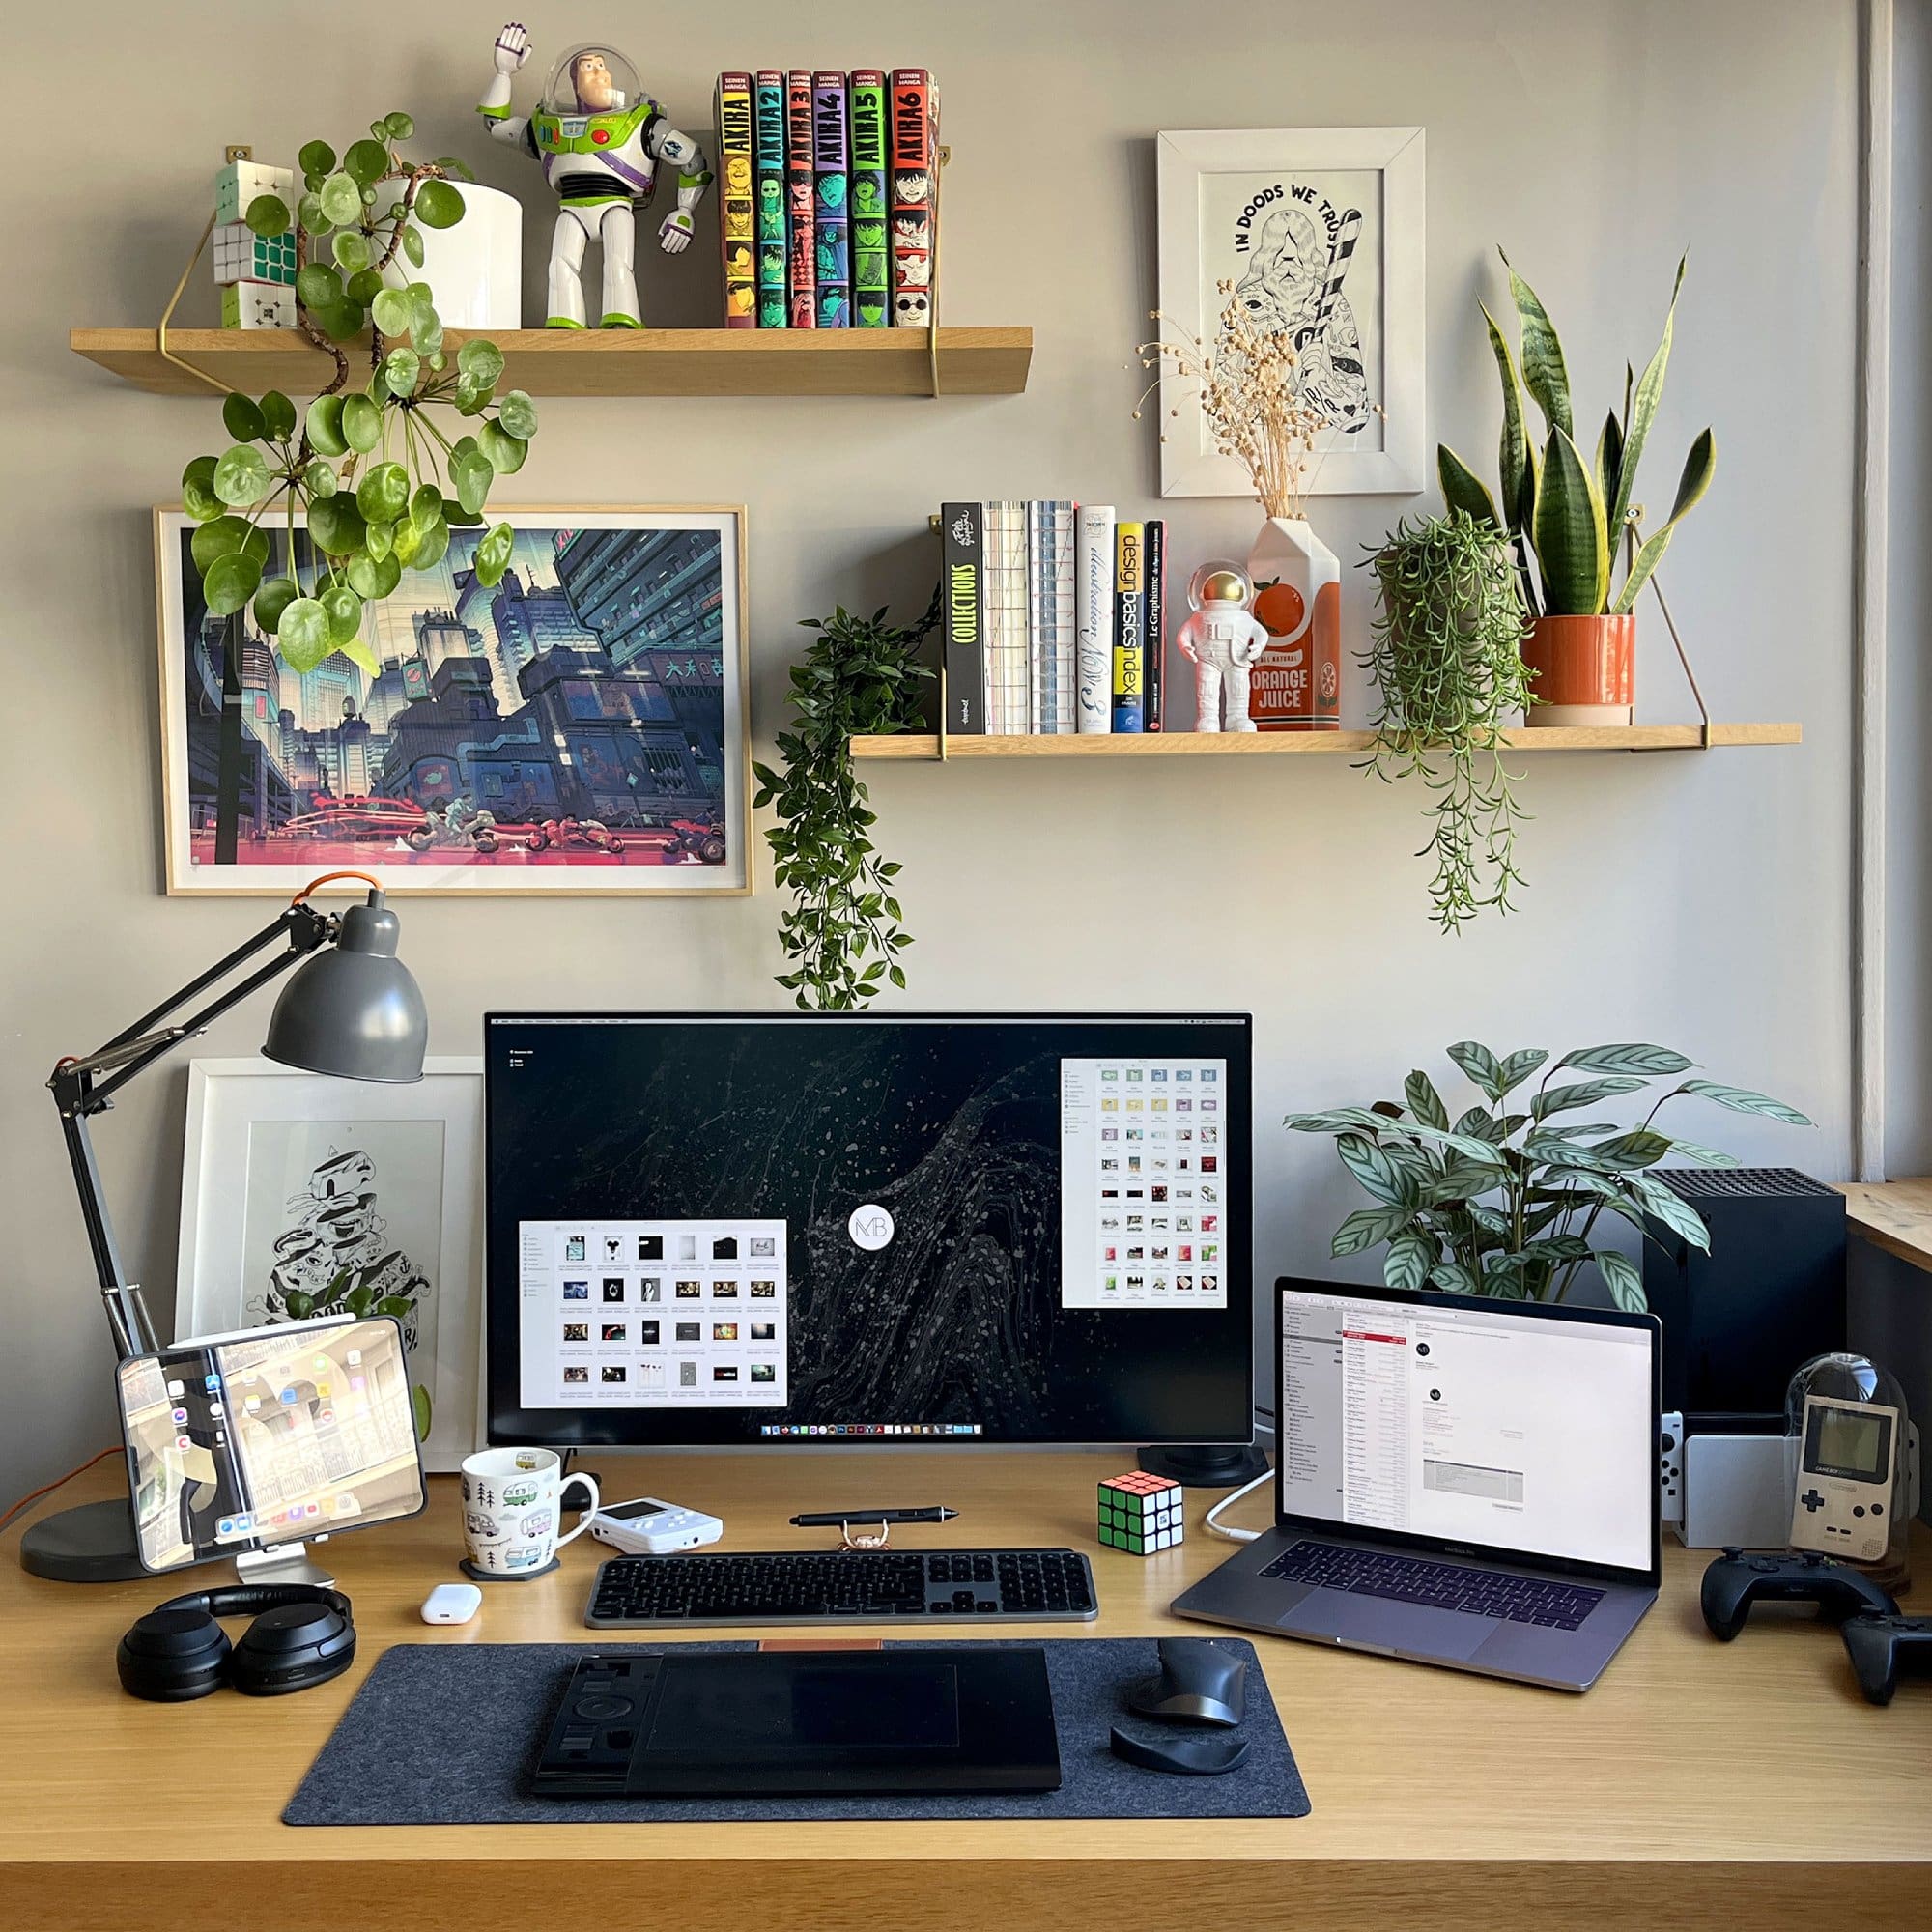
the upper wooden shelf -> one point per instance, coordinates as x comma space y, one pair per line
1895, 1215
1312, 744
608, 362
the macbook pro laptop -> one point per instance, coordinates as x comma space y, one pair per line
1458, 1481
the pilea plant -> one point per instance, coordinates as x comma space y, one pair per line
1503, 1203
367, 467
1445, 654
860, 677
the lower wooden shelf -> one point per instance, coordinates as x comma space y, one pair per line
1315, 744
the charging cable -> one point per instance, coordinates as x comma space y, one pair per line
1214, 1527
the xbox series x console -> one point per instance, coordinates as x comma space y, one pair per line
1770, 1296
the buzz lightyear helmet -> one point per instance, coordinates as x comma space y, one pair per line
591, 78
1220, 582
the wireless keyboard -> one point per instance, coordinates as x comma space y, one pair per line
840, 1586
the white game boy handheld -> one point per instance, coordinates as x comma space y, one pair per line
652, 1527
1846, 1461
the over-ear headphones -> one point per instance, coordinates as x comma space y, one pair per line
302, 1635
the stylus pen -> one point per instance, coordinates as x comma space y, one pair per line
831, 1519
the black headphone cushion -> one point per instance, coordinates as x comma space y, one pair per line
292, 1647
173, 1655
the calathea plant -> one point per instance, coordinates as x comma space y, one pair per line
1445, 654
1504, 1200
860, 677
369, 467
1570, 510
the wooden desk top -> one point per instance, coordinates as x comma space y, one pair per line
1895, 1215
1697, 1783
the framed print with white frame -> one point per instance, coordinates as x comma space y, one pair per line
303, 1194
580, 727
1320, 232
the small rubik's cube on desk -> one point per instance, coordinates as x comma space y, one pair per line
255, 272
1141, 1514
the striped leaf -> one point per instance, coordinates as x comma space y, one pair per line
1704, 1156
1625, 1057
1643, 404
1453, 1278
1742, 1100
1543, 372
1424, 1101
1464, 490
1690, 487
1609, 468
1517, 1068
1367, 1228
1340, 1120
1580, 1094
1480, 1065
1409, 1259
1621, 1277
1513, 456
1374, 1169
1665, 1204
1641, 1146
1480, 1125
1572, 547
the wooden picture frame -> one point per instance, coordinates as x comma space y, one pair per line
622, 769
1321, 230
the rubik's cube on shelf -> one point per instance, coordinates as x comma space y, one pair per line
1141, 1514
255, 272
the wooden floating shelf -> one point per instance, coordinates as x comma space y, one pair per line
1313, 744
606, 362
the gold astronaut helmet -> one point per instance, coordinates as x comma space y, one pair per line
1221, 582
591, 78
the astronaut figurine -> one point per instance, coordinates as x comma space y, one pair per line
601, 141
1222, 639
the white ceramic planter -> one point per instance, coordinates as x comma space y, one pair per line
475, 269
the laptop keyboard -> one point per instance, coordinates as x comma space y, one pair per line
1440, 1586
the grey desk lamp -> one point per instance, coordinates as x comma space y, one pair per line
352, 1010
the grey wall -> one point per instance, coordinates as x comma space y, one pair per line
1702, 901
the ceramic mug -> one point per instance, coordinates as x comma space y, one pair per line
512, 1505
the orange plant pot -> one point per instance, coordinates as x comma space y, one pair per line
1585, 670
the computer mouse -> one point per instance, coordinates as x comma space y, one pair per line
1198, 1682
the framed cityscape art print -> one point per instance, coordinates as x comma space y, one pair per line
579, 727
1320, 233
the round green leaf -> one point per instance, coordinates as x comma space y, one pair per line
454, 164
241, 419
365, 285
518, 414
320, 479
198, 496
425, 329
393, 312
340, 197
268, 215
271, 600
454, 514
366, 162
361, 422
383, 493
505, 451
317, 157
351, 248
340, 322
325, 426
398, 126
493, 554
343, 610
470, 471
318, 285
231, 581
426, 505
438, 205
481, 360
216, 538
401, 368
240, 476
373, 576
335, 525
379, 540
412, 246
308, 212
409, 536
278, 417
432, 548
303, 633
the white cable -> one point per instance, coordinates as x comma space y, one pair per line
1214, 1528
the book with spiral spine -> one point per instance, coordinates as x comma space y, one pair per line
768, 187
801, 241
866, 203
915, 161
736, 223
830, 189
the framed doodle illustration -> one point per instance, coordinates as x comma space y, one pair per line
578, 727
1318, 232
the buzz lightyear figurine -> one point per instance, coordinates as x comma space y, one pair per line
1222, 639
601, 141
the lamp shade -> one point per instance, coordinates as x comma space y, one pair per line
353, 1010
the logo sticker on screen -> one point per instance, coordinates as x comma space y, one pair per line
870, 1226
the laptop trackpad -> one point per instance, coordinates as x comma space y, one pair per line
1388, 1626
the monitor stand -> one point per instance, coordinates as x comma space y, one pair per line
92, 1543
1206, 1465
282, 1563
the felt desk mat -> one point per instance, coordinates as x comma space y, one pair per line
449, 1734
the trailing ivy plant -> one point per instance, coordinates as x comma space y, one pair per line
368, 467
1445, 654
1504, 1202
860, 677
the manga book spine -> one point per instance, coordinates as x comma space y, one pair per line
871, 275
801, 258
736, 223
914, 158
830, 189
768, 172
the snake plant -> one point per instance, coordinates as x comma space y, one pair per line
1571, 511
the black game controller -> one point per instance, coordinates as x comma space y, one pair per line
1735, 1581
1875, 1645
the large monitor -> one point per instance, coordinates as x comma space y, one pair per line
902, 1230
